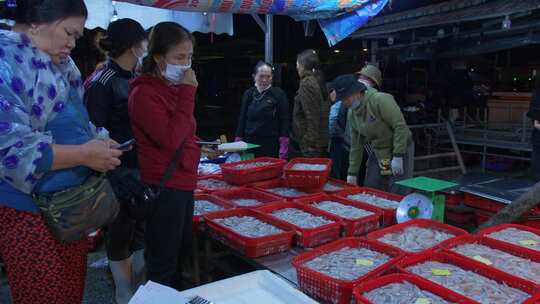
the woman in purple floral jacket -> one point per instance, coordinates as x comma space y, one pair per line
47, 144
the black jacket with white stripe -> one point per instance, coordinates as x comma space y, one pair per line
107, 102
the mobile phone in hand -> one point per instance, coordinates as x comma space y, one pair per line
125, 146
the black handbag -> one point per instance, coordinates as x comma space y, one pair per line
74, 213
137, 195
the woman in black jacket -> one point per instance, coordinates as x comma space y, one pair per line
264, 116
107, 101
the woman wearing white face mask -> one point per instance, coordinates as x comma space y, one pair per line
161, 106
107, 101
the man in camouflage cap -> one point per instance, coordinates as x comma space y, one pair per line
371, 76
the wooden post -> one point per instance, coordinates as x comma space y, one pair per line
455, 147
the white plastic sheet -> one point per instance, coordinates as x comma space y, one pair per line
261, 287
100, 13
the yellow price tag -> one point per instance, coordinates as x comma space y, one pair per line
364, 262
482, 259
441, 272
528, 242
422, 301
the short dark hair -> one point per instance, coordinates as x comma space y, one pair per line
261, 64
41, 11
163, 37
122, 35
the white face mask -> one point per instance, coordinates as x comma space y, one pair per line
356, 104
141, 57
175, 72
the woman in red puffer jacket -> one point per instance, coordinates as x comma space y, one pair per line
161, 105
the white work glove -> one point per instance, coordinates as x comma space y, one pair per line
353, 180
397, 166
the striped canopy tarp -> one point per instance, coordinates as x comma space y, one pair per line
337, 18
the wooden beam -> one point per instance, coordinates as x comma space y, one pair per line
437, 170
487, 10
432, 156
455, 147
515, 210
440, 8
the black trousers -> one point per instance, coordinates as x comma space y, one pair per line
340, 161
269, 146
340, 158
124, 236
169, 236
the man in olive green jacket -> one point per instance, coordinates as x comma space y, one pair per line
376, 120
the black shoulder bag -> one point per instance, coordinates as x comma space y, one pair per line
139, 196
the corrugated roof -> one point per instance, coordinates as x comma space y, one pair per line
452, 13
493, 46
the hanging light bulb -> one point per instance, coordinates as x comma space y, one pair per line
441, 33
507, 23
11, 3
115, 12
390, 41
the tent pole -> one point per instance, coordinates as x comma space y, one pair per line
269, 39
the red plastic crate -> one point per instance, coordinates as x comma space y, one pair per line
490, 205
478, 268
235, 176
491, 243
248, 193
306, 178
484, 216
339, 183
486, 232
329, 289
197, 219
531, 223
423, 223
389, 215
250, 247
209, 190
453, 198
351, 227
425, 285
275, 183
459, 217
308, 238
